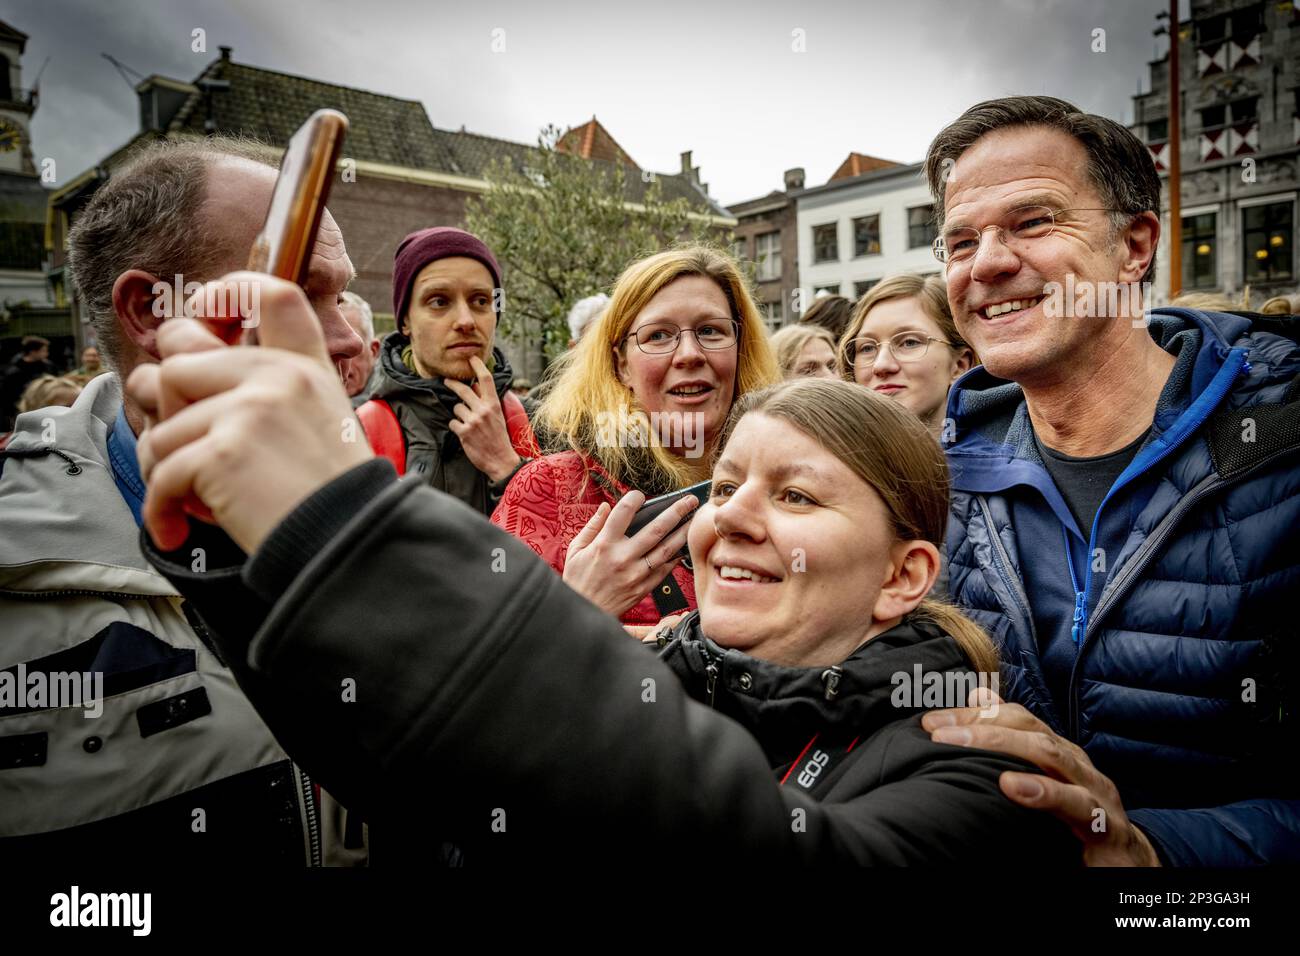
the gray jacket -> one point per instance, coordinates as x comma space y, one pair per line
157, 751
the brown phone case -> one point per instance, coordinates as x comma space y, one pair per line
283, 247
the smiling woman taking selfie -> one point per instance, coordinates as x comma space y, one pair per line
780, 723
639, 403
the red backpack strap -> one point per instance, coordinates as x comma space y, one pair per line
384, 432
517, 424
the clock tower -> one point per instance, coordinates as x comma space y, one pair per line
16, 105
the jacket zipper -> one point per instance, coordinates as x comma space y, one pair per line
313, 823
711, 671
1116, 588
1081, 629
1080, 595
77, 592
1212, 397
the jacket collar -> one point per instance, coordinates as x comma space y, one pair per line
66, 524
992, 447
783, 706
399, 380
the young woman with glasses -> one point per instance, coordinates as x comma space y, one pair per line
639, 404
902, 343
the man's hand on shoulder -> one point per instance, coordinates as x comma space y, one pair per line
1071, 788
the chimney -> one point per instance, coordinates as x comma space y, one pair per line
794, 179
225, 53
686, 164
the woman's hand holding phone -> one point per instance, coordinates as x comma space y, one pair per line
616, 572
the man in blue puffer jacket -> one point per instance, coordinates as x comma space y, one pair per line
1126, 499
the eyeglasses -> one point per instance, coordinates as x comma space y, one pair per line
1019, 226
905, 347
662, 338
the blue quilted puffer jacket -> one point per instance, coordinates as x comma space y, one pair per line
1178, 609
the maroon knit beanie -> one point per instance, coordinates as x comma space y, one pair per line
428, 245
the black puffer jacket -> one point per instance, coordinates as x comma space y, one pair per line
496, 709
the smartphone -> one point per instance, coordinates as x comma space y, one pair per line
283, 247
657, 506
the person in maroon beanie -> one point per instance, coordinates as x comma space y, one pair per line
443, 409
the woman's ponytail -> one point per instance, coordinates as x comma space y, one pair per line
970, 637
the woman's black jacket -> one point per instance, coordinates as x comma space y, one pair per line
438, 678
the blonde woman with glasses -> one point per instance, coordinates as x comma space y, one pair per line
639, 404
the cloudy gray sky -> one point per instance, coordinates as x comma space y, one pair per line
717, 77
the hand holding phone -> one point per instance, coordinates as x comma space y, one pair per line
283, 247
657, 506
615, 565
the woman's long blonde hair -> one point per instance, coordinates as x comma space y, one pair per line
587, 387
888, 448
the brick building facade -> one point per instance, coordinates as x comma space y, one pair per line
401, 172
766, 239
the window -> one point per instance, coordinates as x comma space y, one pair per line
1212, 29
772, 314
1200, 252
1247, 23
1242, 111
862, 288
826, 243
1242, 25
1157, 130
1245, 111
866, 236
920, 227
767, 253
828, 289
1267, 233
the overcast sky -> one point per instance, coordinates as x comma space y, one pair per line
717, 77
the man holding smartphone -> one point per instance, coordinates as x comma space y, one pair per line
443, 409
210, 783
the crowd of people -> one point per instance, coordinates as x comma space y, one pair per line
31, 380
964, 580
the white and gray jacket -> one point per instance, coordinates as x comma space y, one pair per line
119, 728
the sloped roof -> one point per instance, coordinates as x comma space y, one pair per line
858, 163
271, 105
761, 202
472, 153
592, 141
9, 33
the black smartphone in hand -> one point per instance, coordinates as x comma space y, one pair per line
657, 506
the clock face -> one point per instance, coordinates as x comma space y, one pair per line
11, 136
